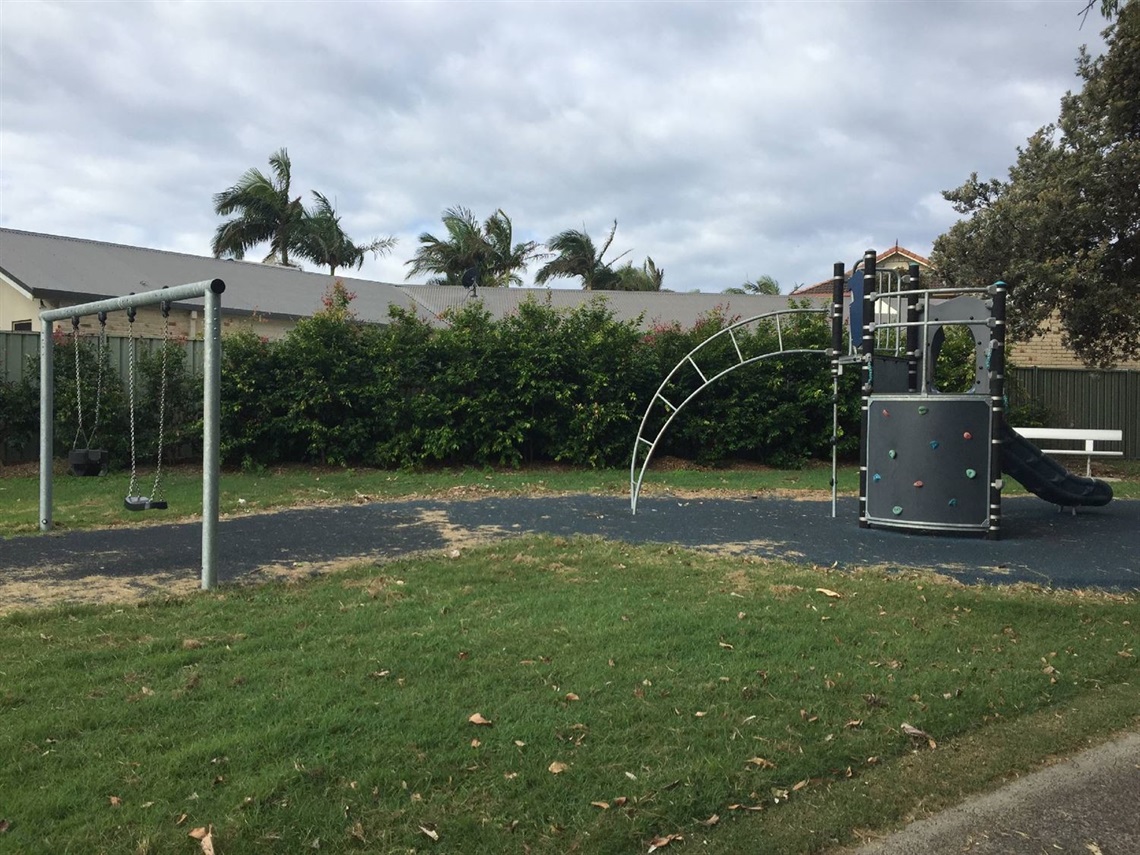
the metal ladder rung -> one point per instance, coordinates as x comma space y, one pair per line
704, 379
739, 355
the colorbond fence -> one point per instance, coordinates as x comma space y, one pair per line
17, 348
1084, 399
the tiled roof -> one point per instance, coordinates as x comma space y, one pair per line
824, 288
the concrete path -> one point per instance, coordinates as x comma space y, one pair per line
1088, 805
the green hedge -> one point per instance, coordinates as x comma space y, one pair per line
540, 385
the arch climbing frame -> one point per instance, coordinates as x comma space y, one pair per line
695, 372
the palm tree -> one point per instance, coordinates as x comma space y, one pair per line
323, 241
578, 257
761, 285
469, 246
648, 277
505, 260
265, 212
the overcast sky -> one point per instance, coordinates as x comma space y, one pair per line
728, 139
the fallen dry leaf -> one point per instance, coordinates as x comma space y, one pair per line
726, 645
557, 767
913, 732
475, 743
855, 722
1093, 848
711, 821
620, 801
700, 714
477, 718
602, 805
570, 696
661, 842
115, 801
827, 592
520, 743
430, 832
358, 832
198, 833
4, 825
761, 763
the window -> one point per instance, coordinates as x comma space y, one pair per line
21, 326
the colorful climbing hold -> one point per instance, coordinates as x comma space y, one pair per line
953, 503
886, 414
934, 443
897, 510
967, 435
892, 454
876, 477
918, 483
922, 411
970, 473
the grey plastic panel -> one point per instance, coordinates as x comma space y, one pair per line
928, 462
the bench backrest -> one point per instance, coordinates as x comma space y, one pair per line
1075, 434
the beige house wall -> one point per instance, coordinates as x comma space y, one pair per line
1045, 350
15, 307
149, 323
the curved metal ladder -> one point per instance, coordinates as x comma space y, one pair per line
707, 378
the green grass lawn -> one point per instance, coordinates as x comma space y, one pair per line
632, 693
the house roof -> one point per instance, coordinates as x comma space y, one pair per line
824, 288
55, 268
51, 267
651, 307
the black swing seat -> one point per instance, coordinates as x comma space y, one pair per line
144, 503
86, 462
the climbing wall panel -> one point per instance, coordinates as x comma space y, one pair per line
928, 462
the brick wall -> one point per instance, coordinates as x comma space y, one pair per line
1045, 350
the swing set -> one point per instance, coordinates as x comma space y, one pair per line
85, 459
88, 460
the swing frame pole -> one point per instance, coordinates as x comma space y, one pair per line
210, 291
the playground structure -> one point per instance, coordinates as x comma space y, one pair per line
929, 461
89, 461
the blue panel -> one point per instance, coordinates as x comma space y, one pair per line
855, 283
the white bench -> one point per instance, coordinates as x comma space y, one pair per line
1088, 436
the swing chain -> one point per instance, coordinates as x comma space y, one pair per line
101, 353
132, 490
78, 389
156, 490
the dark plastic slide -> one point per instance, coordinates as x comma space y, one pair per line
1040, 474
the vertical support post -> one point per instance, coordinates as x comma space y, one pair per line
211, 422
996, 369
914, 282
47, 422
868, 354
837, 282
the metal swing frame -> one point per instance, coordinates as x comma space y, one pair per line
210, 292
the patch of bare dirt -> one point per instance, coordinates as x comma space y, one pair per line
43, 587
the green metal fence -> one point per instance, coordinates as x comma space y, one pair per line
17, 348
1084, 399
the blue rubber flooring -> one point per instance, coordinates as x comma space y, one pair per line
1098, 548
